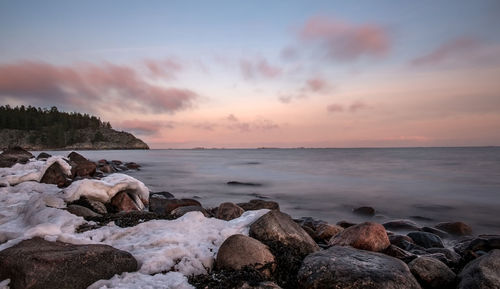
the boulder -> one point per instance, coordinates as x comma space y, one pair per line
346, 267
367, 236
364, 211
80, 166
399, 253
229, 211
55, 175
13, 155
401, 225
278, 227
37, 263
82, 211
239, 251
483, 272
455, 228
164, 206
124, 203
43, 156
432, 273
426, 240
257, 204
181, 211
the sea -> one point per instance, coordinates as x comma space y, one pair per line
425, 185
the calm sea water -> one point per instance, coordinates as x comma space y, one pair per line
438, 184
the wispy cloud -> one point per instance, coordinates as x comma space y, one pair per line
165, 68
345, 41
449, 49
259, 69
353, 107
142, 127
235, 123
91, 86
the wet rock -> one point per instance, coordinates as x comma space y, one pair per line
132, 166
117, 162
107, 169
432, 273
93, 205
364, 211
483, 272
450, 257
181, 211
124, 203
455, 228
257, 204
399, 253
426, 240
163, 206
367, 236
43, 156
440, 233
37, 263
325, 232
402, 241
80, 166
161, 195
346, 267
276, 226
13, 155
82, 211
401, 225
229, 211
345, 224
235, 183
55, 175
239, 251
125, 219
484, 243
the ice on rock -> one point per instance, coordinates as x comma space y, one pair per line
106, 188
171, 280
31, 171
5, 284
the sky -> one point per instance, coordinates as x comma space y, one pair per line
245, 74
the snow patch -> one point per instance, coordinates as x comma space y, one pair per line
171, 280
5, 284
31, 171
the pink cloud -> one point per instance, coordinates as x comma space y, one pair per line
335, 108
166, 68
243, 126
143, 127
346, 41
89, 86
259, 68
357, 105
353, 107
453, 48
316, 84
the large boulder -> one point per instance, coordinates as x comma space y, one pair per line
240, 251
367, 236
13, 155
80, 166
37, 263
455, 228
228, 211
432, 273
257, 204
164, 206
55, 175
426, 239
482, 273
278, 227
346, 267
124, 203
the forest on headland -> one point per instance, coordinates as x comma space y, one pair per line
49, 128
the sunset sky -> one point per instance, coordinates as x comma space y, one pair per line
182, 74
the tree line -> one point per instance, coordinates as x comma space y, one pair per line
49, 126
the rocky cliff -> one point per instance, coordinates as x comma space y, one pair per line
85, 139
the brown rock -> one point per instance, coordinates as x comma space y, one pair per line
181, 211
164, 206
132, 166
239, 251
257, 204
13, 155
55, 175
80, 166
276, 226
325, 232
229, 211
455, 228
366, 236
432, 273
37, 263
124, 203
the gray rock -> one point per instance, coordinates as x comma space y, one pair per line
432, 273
276, 226
82, 211
345, 267
482, 273
426, 240
366, 236
37, 264
239, 251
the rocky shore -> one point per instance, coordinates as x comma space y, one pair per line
68, 222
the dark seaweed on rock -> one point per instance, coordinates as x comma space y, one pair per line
227, 279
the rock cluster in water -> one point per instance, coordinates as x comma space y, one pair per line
279, 252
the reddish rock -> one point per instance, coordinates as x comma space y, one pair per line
239, 251
164, 206
228, 211
124, 203
455, 228
80, 166
325, 232
366, 236
55, 175
37, 264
